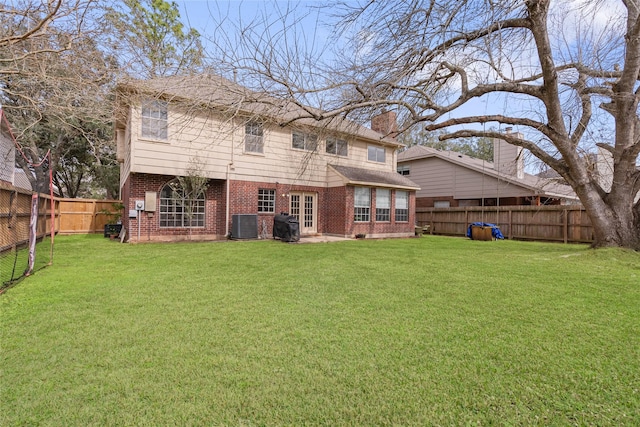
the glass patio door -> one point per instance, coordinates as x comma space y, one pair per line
303, 206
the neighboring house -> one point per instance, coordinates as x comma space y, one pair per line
336, 177
21, 180
451, 179
9, 173
600, 166
7, 151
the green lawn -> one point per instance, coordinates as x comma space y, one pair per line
429, 331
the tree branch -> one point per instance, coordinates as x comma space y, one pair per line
426, 56
516, 121
40, 25
511, 138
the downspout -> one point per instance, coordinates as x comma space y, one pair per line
227, 214
226, 222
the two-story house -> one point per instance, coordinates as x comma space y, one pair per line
258, 157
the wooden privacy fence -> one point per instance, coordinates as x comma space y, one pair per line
15, 216
568, 224
86, 216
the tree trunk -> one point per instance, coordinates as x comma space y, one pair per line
614, 222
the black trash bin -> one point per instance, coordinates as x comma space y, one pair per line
286, 227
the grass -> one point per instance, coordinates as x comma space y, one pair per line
430, 331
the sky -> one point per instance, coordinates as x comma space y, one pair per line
220, 21
209, 16
204, 14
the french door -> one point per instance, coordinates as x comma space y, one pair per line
303, 206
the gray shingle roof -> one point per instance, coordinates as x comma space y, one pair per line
373, 177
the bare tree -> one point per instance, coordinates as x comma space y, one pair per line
55, 84
24, 20
477, 147
59, 61
565, 74
191, 189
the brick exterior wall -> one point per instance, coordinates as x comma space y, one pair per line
334, 210
338, 210
382, 229
124, 193
149, 222
244, 200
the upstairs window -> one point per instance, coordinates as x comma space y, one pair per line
254, 137
383, 205
304, 141
403, 169
362, 204
402, 206
376, 154
154, 119
337, 146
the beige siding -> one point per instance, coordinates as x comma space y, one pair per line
437, 177
200, 140
7, 158
334, 179
218, 143
433, 177
125, 166
508, 158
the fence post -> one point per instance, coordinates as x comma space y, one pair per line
565, 225
33, 234
431, 221
94, 215
510, 223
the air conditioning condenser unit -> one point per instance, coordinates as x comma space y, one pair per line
244, 226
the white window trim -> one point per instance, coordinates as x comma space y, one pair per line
176, 207
377, 151
336, 141
272, 200
144, 118
356, 206
395, 213
442, 203
307, 138
244, 142
387, 208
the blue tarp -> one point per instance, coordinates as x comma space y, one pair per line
495, 230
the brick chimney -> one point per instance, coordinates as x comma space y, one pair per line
385, 123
